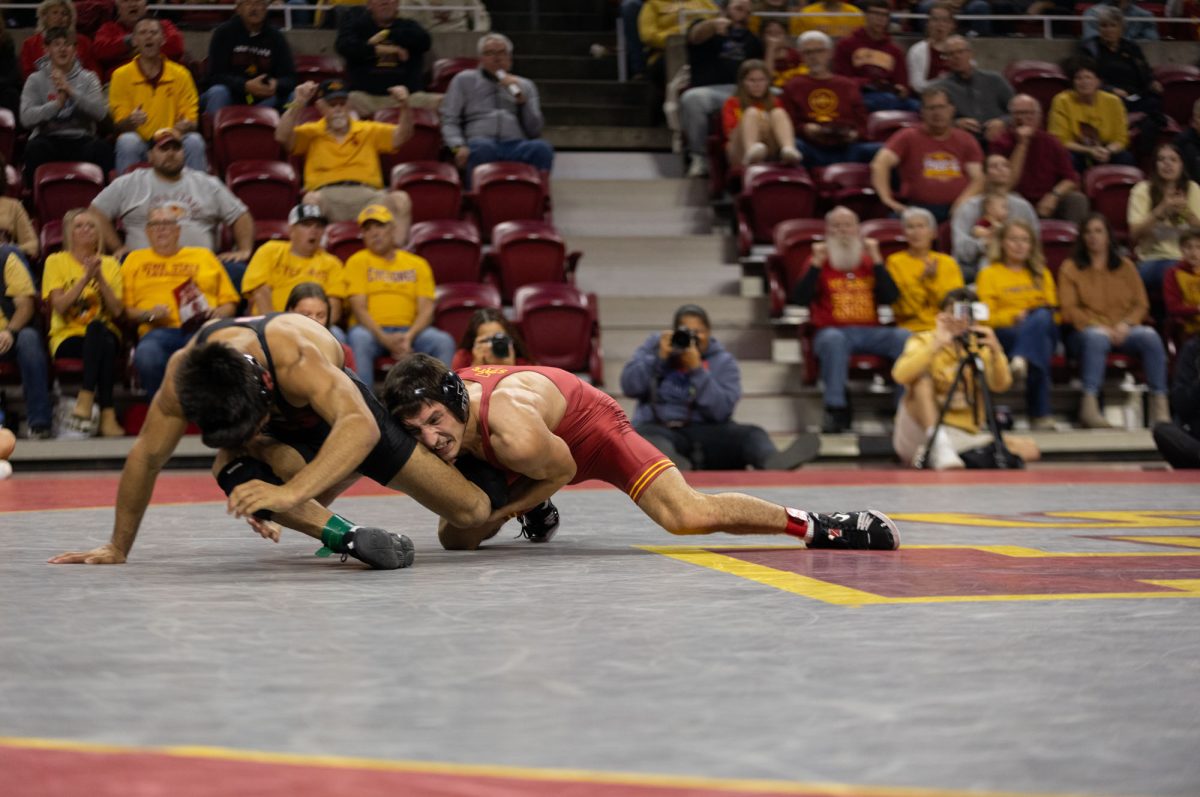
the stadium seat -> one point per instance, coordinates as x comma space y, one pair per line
318, 67
1181, 90
507, 191
425, 144
1023, 66
433, 187
444, 70
560, 327
1107, 187
793, 239
888, 232
452, 248
269, 230
526, 251
269, 188
882, 124
8, 134
458, 301
245, 132
343, 238
61, 186
50, 237
1058, 242
849, 184
1040, 79
13, 186
771, 193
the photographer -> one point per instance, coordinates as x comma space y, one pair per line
686, 385
927, 368
490, 339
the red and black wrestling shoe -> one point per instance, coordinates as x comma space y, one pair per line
866, 530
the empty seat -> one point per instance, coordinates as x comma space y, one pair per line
452, 248
849, 184
444, 70
882, 124
1107, 187
527, 251
794, 239
245, 132
50, 237
888, 232
1058, 242
560, 327
269, 188
269, 230
1181, 90
458, 301
433, 187
507, 191
318, 68
425, 144
60, 186
343, 238
771, 193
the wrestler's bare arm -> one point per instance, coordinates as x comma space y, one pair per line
523, 443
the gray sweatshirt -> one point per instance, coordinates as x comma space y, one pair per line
476, 106
41, 113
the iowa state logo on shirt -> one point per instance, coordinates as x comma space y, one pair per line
488, 370
941, 166
824, 104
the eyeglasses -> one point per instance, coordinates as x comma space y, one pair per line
494, 52
161, 224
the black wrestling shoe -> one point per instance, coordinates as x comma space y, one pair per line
868, 530
540, 523
381, 549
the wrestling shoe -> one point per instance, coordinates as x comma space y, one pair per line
867, 530
378, 548
540, 523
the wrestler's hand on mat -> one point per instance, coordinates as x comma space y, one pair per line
248, 498
267, 529
104, 555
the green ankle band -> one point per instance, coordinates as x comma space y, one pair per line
335, 528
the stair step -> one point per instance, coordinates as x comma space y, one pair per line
600, 92
655, 311
573, 22
759, 377
744, 343
608, 137
554, 43
580, 66
588, 115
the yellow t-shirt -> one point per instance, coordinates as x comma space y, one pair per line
1008, 292
275, 265
1071, 121
920, 357
61, 273
921, 297
391, 287
17, 282
355, 157
173, 98
151, 279
818, 17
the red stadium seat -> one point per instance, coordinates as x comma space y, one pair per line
245, 132
444, 70
1058, 241
1031, 65
507, 191
50, 237
452, 248
318, 68
849, 184
269, 230
771, 193
61, 186
888, 232
794, 239
343, 238
1107, 187
269, 188
526, 251
882, 124
433, 187
1181, 90
458, 301
425, 143
1040, 79
560, 327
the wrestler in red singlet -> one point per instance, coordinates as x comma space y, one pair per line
595, 428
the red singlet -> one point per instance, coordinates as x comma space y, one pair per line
595, 428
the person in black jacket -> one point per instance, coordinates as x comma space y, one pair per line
383, 50
249, 62
1179, 442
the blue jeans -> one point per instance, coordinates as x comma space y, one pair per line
1091, 348
635, 54
236, 269
1153, 272
696, 105
834, 345
887, 101
219, 96
132, 149
430, 340
152, 352
1034, 339
29, 348
858, 152
537, 152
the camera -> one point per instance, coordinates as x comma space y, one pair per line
970, 312
501, 344
683, 338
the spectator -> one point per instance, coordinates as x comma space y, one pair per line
686, 393
826, 109
975, 27
113, 45
874, 62
790, 25
980, 97
1123, 70
391, 294
1188, 144
923, 277
249, 61
1181, 285
1179, 441
490, 114
61, 105
151, 93
279, 266
940, 166
635, 53
1139, 22
1160, 209
756, 127
54, 14
478, 343
170, 291
1089, 122
716, 48
21, 340
1102, 297
844, 282
783, 60
83, 287
926, 370
310, 300
17, 233
832, 17
1044, 173
1019, 292
11, 78
445, 16
658, 21
926, 60
202, 202
341, 154
970, 248
382, 50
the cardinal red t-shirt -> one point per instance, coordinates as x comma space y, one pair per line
933, 171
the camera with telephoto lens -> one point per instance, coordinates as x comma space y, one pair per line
971, 312
683, 338
501, 344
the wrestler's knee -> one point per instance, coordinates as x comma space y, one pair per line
676, 507
470, 513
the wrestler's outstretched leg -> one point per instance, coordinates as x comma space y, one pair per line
672, 503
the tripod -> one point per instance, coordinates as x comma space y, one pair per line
997, 454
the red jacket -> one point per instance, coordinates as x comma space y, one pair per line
878, 64
111, 51
34, 48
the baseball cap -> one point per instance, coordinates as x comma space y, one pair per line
164, 134
302, 213
329, 89
375, 213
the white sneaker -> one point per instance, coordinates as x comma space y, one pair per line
1019, 368
697, 166
790, 155
756, 154
942, 455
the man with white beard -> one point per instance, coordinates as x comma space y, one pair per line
844, 283
341, 154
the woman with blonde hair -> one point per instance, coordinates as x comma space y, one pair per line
1021, 298
55, 14
83, 288
756, 126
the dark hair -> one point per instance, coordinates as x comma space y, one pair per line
487, 315
1077, 65
1082, 257
867, 5
1159, 186
223, 393
413, 382
1189, 235
744, 98
54, 34
692, 310
958, 295
929, 92
308, 290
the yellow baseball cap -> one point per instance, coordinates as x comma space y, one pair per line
377, 213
